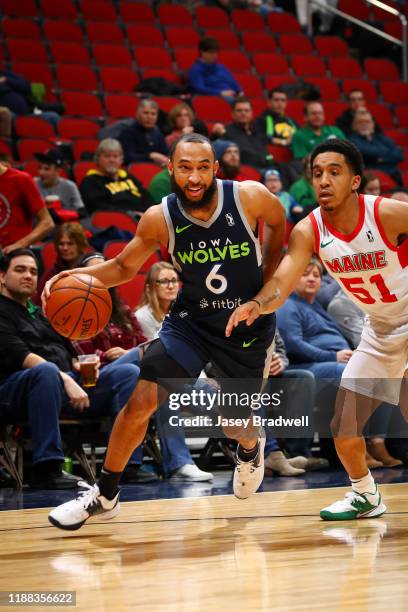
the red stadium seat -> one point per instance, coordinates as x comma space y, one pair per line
244, 19
174, 14
77, 128
185, 58
48, 254
104, 32
69, 53
136, 11
345, 68
27, 50
270, 63
115, 79
382, 114
308, 65
166, 103
356, 8
292, 44
84, 149
33, 127
144, 35
273, 80
330, 46
81, 169
211, 17
250, 84
152, 57
212, 108
121, 105
132, 291
36, 73
283, 23
27, 147
332, 110
21, 28
112, 55
233, 58
144, 172
401, 112
376, 68
81, 104
329, 89
295, 110
258, 41
226, 38
63, 9
387, 182
98, 10
400, 137
250, 173
63, 31
22, 8
367, 87
182, 37
79, 78
105, 218
394, 92
280, 154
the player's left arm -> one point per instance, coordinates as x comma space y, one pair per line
261, 205
394, 219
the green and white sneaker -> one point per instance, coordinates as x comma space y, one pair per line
355, 505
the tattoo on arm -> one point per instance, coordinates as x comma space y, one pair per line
275, 296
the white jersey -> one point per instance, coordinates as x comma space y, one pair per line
365, 264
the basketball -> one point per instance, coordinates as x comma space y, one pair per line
79, 306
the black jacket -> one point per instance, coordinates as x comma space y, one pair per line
23, 332
99, 192
138, 143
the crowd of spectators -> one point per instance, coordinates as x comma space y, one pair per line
318, 325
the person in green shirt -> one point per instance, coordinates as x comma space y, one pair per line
313, 132
160, 186
303, 192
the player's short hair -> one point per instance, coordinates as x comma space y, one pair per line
194, 138
5, 260
352, 155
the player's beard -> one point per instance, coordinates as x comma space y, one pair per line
206, 198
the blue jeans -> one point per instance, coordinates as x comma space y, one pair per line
174, 450
38, 395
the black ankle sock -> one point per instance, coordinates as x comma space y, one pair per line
247, 455
108, 483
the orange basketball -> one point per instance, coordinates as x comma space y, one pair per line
79, 306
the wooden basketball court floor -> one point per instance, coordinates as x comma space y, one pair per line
270, 552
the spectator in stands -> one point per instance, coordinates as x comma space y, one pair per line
160, 186
379, 152
70, 243
183, 121
302, 190
326, 18
278, 127
356, 100
20, 205
313, 132
273, 182
51, 185
209, 78
370, 184
111, 187
142, 141
39, 377
15, 94
160, 290
6, 122
229, 161
252, 143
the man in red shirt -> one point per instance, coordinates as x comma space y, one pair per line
20, 204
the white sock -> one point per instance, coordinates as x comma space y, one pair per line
365, 484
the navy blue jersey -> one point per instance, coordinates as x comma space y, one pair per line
220, 265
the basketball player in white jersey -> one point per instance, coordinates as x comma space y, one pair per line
360, 241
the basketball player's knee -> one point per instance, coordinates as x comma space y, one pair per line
143, 402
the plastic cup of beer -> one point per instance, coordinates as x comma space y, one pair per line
88, 368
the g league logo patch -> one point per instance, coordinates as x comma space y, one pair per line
230, 219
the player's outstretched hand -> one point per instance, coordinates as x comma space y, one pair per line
47, 287
246, 312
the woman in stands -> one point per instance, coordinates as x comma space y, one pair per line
70, 244
183, 121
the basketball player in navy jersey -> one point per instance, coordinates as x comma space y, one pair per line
360, 241
210, 229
